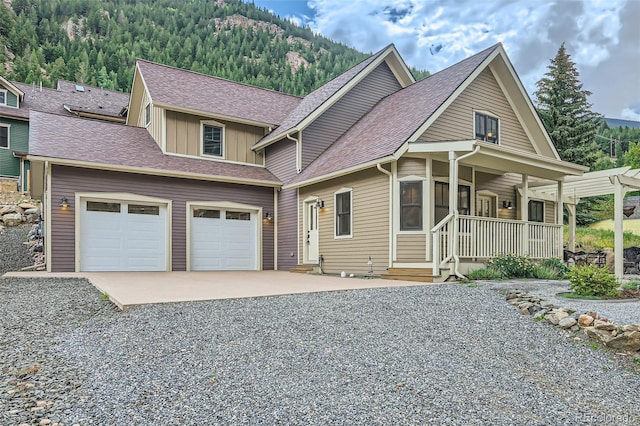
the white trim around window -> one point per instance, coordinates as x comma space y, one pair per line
8, 127
147, 115
4, 92
343, 213
213, 124
489, 115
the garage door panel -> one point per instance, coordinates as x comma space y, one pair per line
226, 242
123, 241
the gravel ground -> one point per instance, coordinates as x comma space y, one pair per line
619, 311
445, 354
14, 254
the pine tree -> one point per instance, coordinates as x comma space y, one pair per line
566, 112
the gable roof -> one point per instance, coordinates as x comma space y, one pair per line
111, 146
174, 87
388, 126
327, 94
105, 103
12, 88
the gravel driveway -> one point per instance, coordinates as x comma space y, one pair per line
442, 354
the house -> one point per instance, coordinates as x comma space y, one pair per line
69, 98
373, 171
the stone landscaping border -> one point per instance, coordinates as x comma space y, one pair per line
621, 338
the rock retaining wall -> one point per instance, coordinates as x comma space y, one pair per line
19, 212
622, 338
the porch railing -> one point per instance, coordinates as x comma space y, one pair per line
483, 238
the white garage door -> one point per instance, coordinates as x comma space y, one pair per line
223, 240
123, 236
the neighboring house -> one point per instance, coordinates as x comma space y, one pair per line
372, 171
18, 99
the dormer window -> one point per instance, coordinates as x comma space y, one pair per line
3, 97
212, 139
486, 128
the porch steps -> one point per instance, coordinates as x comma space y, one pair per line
303, 269
424, 275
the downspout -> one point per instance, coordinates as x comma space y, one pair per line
391, 239
298, 152
456, 258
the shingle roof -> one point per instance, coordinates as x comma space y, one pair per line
94, 99
71, 138
214, 95
315, 99
382, 131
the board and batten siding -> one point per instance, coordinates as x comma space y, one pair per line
370, 223
66, 181
280, 159
336, 120
18, 141
483, 94
184, 137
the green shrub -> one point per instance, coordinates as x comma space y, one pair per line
591, 280
556, 264
513, 266
485, 274
542, 272
631, 285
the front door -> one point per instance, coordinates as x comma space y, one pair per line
485, 207
312, 242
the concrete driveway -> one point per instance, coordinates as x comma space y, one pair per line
139, 288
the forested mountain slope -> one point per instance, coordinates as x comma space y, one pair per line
97, 42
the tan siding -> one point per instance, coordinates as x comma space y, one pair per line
155, 127
183, 137
441, 169
370, 223
137, 98
66, 181
549, 212
504, 186
411, 248
456, 122
412, 167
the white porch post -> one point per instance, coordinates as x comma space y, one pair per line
524, 213
619, 192
571, 208
453, 183
559, 213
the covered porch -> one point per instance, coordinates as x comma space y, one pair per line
503, 176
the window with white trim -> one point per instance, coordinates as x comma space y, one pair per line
536, 211
4, 136
343, 213
147, 115
411, 206
3, 97
212, 140
486, 128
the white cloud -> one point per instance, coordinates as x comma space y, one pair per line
434, 34
629, 114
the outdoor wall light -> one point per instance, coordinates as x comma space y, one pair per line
64, 202
507, 205
320, 204
268, 216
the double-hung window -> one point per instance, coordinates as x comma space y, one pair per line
411, 206
486, 128
212, 140
441, 200
4, 136
343, 213
536, 211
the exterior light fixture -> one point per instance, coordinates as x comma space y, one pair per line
320, 204
64, 202
507, 205
268, 216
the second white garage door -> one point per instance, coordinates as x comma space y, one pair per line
223, 240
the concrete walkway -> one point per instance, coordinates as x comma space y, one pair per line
139, 288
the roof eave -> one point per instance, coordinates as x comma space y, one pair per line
342, 172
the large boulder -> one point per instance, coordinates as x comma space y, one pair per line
627, 341
12, 219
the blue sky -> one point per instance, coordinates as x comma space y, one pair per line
602, 36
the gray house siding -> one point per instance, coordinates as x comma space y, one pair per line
334, 122
280, 159
66, 181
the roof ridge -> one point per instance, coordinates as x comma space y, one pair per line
468, 58
216, 77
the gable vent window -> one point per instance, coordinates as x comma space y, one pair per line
212, 140
486, 128
147, 115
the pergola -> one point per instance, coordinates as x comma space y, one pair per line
617, 181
